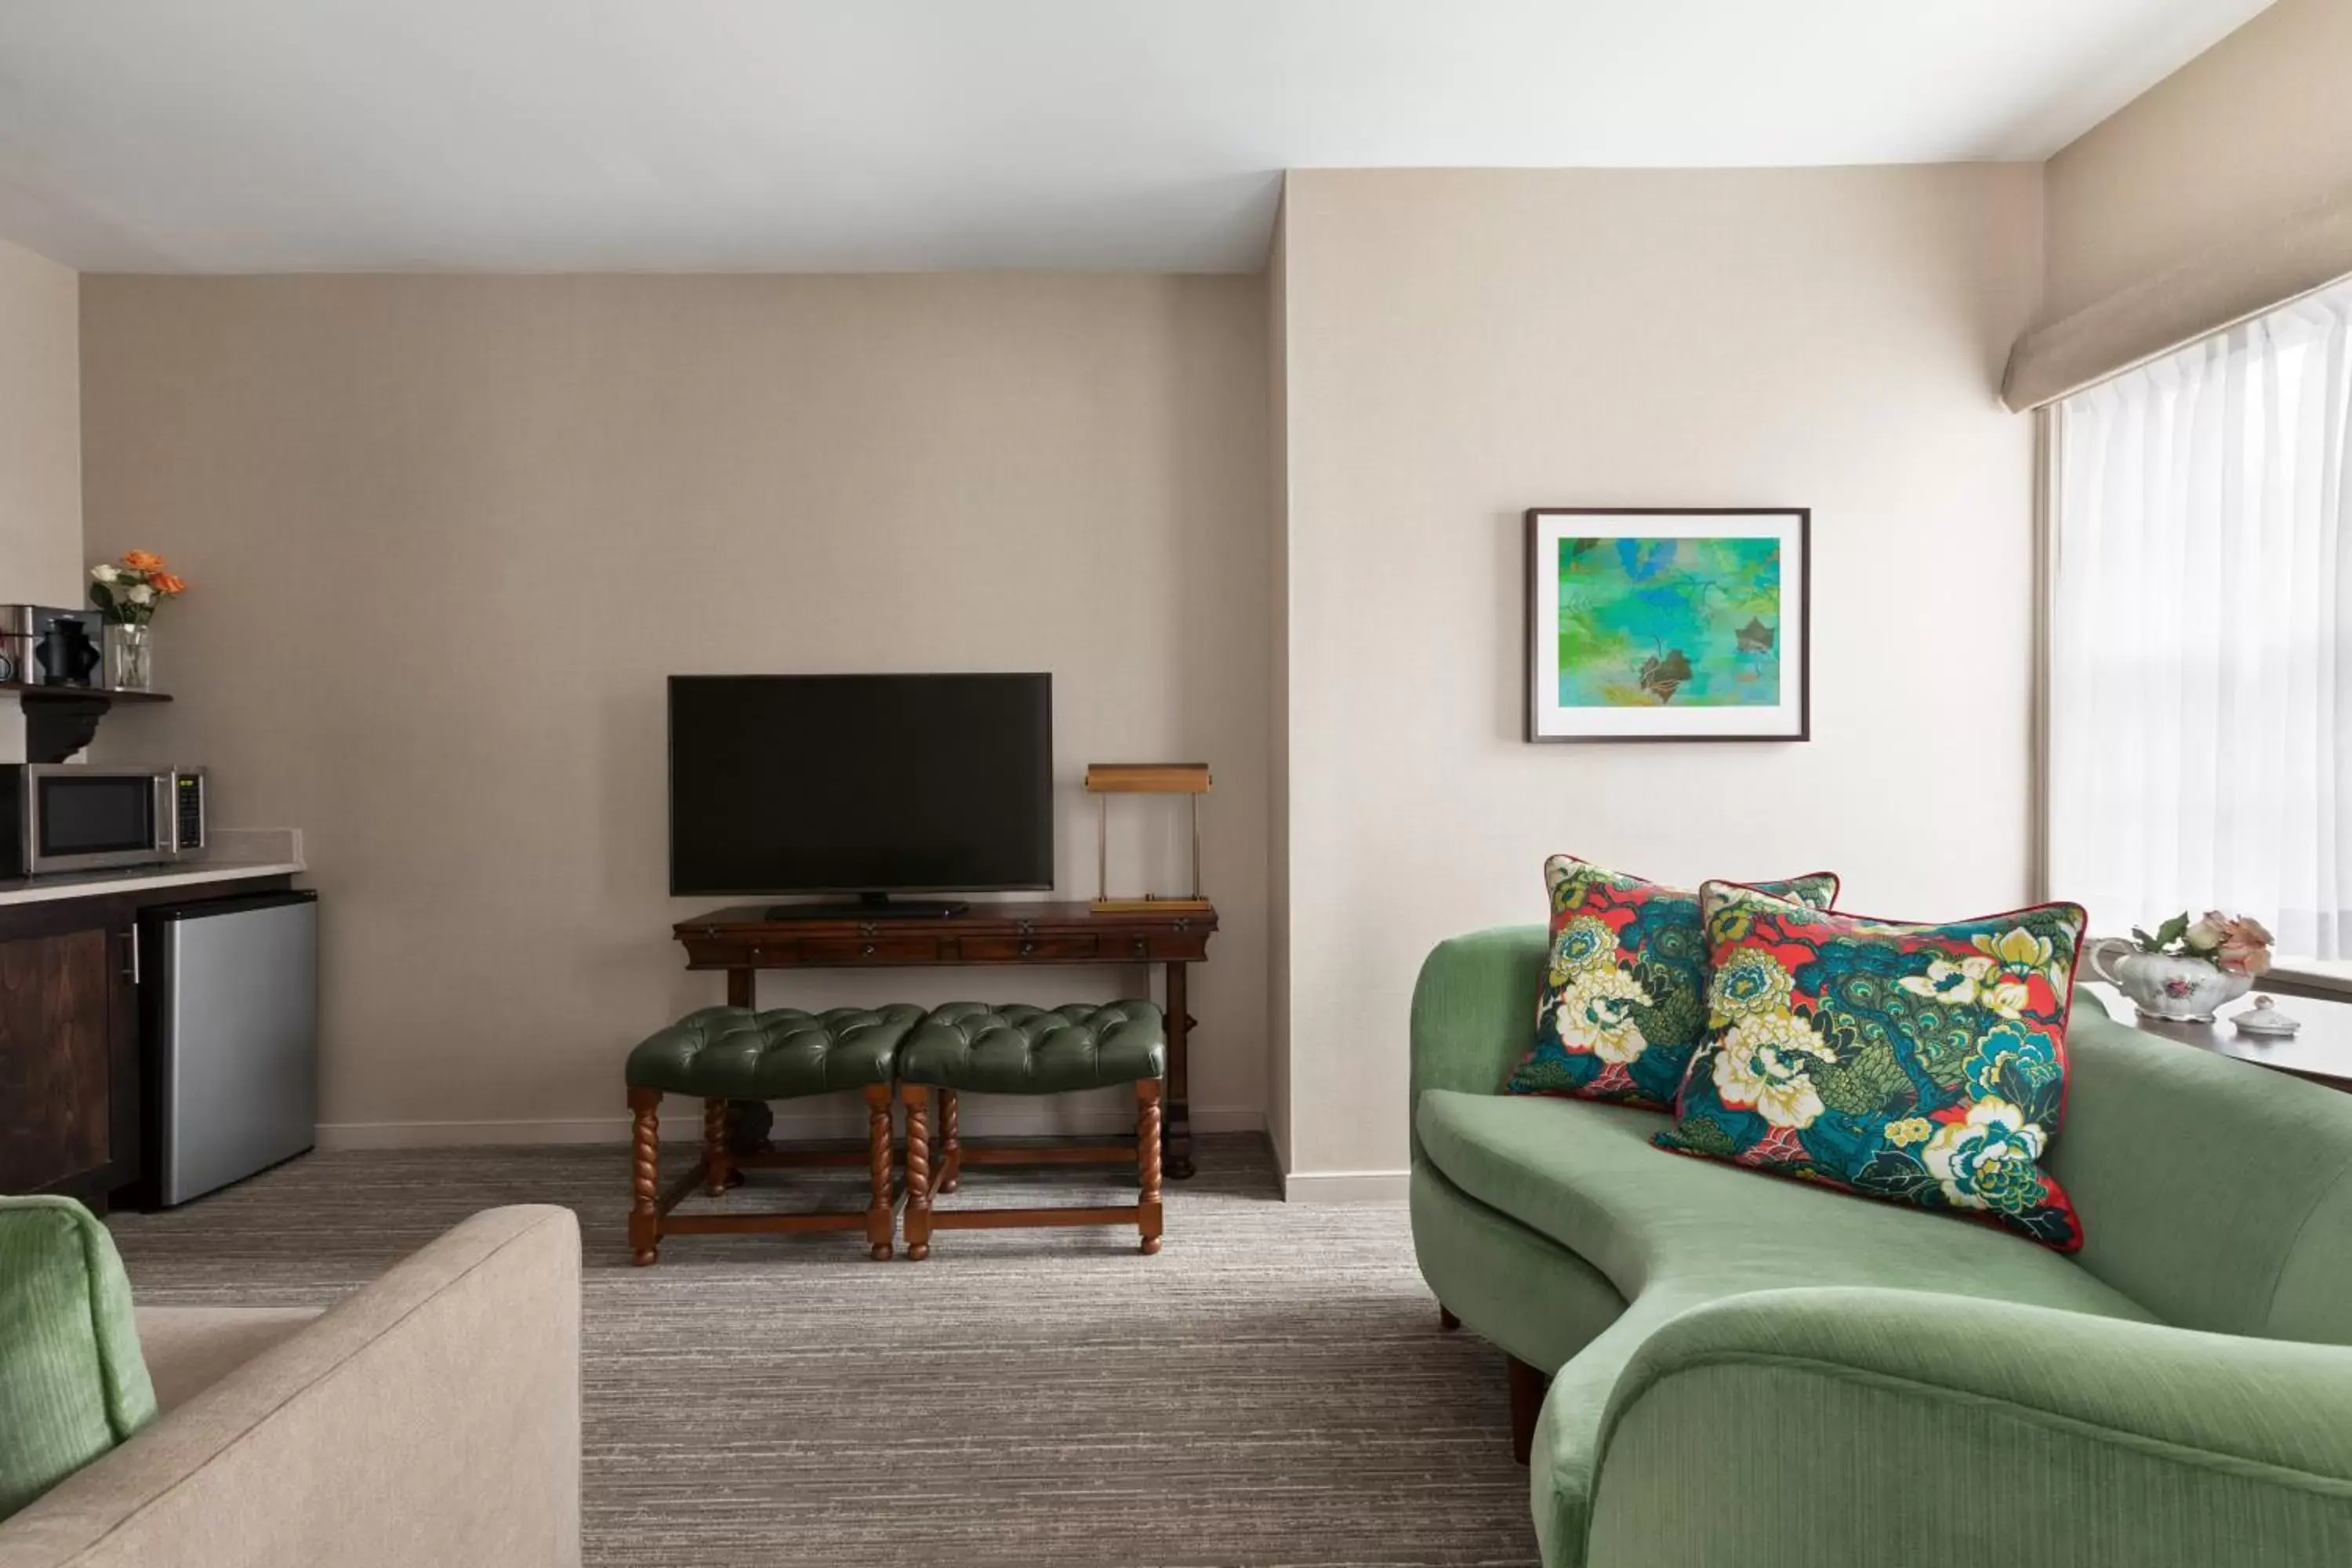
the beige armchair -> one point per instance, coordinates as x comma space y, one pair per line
432, 1418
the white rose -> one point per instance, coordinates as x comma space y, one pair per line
141, 593
2204, 936
104, 574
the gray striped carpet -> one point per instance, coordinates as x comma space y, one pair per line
1272, 1389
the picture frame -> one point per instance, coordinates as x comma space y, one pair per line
1650, 624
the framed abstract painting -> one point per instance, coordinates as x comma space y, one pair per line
1662, 624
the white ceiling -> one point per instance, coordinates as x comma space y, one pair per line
270, 135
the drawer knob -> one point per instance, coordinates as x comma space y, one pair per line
867, 950
1027, 948
1141, 947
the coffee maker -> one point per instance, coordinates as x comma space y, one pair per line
41, 645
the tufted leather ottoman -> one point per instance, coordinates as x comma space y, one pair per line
733, 1053
1018, 1049
721, 1054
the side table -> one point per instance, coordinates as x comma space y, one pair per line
2321, 1051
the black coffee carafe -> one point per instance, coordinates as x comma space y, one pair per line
64, 654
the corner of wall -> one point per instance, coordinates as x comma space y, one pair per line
41, 429
1278, 947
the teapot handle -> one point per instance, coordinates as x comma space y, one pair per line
2097, 954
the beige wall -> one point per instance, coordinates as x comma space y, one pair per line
449, 535
2251, 132
40, 432
1464, 345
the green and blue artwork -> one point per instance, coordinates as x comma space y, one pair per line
1686, 623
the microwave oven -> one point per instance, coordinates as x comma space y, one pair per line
60, 817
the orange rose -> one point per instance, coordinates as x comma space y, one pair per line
142, 561
167, 585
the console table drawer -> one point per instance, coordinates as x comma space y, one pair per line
1028, 949
869, 950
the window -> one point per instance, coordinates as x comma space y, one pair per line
2200, 634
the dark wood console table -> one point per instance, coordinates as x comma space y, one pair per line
744, 940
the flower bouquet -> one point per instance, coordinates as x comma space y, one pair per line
128, 594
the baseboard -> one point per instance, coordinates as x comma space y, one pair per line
1345, 1186
1009, 1117
334, 1135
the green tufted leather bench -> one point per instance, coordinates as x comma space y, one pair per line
721, 1054
1018, 1049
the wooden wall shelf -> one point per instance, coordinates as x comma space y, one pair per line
80, 693
62, 719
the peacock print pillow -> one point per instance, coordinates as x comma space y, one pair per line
1624, 1000
1922, 1064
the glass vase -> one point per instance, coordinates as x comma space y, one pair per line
130, 666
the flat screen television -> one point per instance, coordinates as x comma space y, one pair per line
865, 785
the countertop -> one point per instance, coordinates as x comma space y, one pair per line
233, 853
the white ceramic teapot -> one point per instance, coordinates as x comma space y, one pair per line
2177, 988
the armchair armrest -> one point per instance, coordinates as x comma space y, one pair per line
1474, 1012
1824, 1425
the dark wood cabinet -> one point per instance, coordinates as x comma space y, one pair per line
60, 1011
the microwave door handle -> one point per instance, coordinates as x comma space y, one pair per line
167, 821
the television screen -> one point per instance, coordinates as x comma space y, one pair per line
860, 784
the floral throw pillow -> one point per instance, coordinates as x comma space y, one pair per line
1624, 1000
1923, 1064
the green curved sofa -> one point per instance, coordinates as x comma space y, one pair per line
1748, 1372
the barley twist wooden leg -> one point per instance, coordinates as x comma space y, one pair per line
951, 1165
877, 1148
1147, 1159
645, 1212
718, 1162
918, 1171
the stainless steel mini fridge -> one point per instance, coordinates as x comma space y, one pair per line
229, 1009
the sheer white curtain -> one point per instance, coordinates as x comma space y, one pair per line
2200, 677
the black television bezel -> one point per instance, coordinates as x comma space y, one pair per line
669, 786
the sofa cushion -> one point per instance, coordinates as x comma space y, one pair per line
1624, 997
1586, 1176
1922, 1064
189, 1349
734, 1053
72, 1385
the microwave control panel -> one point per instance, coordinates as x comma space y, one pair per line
190, 805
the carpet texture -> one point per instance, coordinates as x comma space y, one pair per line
1272, 1389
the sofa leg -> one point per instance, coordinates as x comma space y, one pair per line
878, 1204
1527, 1387
645, 1179
1146, 1160
918, 1171
1446, 1320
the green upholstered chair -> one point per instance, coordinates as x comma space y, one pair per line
1017, 1049
1746, 1371
723, 1054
